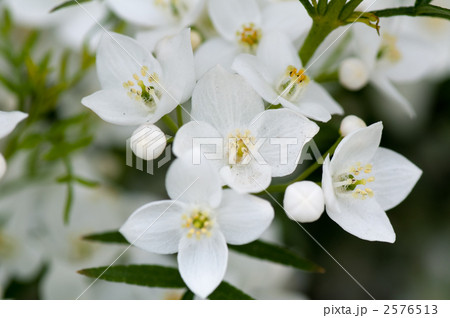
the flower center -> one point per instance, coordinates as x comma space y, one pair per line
198, 224
177, 8
389, 49
144, 88
239, 146
292, 83
349, 182
248, 37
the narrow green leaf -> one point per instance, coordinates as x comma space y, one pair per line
277, 254
107, 237
156, 276
68, 4
64, 149
258, 249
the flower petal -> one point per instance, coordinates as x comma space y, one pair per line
177, 62
197, 184
150, 38
140, 12
252, 177
362, 218
203, 262
384, 86
9, 121
115, 107
290, 18
156, 227
359, 146
225, 101
3, 166
286, 132
395, 177
119, 57
316, 94
257, 75
242, 217
229, 16
215, 51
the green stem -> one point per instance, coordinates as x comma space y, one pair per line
69, 198
305, 174
422, 10
179, 116
319, 31
170, 123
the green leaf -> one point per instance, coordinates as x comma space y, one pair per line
258, 249
277, 254
68, 4
156, 276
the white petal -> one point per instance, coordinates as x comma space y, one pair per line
286, 132
229, 16
197, 184
315, 93
216, 51
257, 75
276, 52
202, 263
150, 38
309, 109
384, 86
140, 12
201, 142
416, 60
242, 218
119, 57
225, 101
289, 18
395, 177
156, 227
114, 106
252, 177
366, 43
359, 146
9, 121
362, 218
327, 185
177, 62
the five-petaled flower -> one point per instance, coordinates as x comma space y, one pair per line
198, 223
364, 180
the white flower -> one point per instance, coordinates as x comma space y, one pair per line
148, 142
351, 123
8, 121
304, 201
137, 88
277, 74
364, 180
396, 56
198, 223
242, 25
165, 17
226, 108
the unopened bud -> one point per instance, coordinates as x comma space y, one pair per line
196, 39
351, 123
353, 74
148, 142
304, 201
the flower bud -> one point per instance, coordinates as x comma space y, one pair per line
148, 142
304, 201
2, 166
351, 123
353, 74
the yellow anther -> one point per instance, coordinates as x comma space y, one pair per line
136, 77
369, 192
371, 179
144, 70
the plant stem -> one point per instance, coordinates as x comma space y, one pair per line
179, 116
423, 10
170, 123
305, 174
319, 31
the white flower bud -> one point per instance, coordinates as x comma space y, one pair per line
353, 74
196, 39
304, 201
351, 123
148, 142
2, 166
